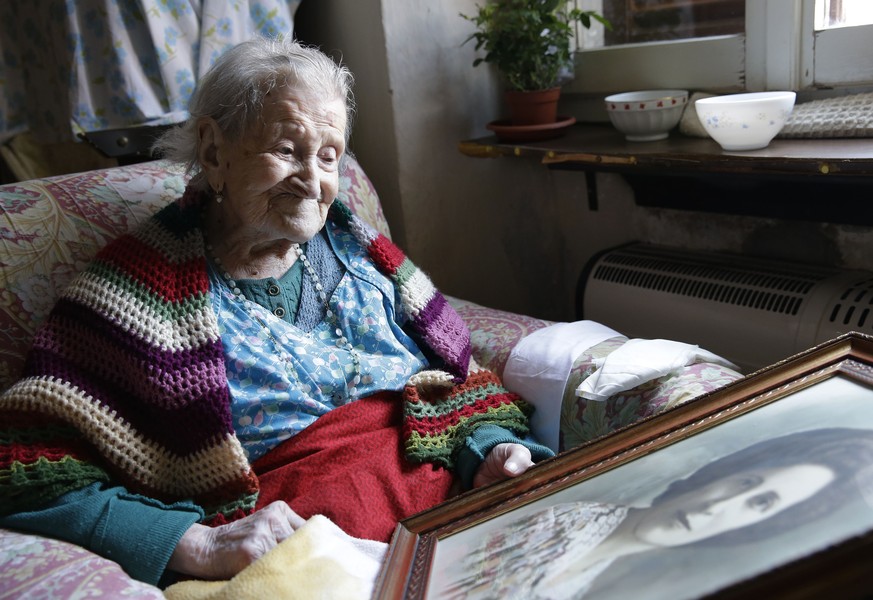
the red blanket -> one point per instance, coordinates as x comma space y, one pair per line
350, 467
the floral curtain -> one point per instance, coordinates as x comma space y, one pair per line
88, 65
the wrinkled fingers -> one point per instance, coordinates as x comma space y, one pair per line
281, 519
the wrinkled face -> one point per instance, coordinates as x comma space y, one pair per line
282, 176
729, 503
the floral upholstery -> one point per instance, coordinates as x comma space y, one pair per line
35, 568
585, 420
52, 228
494, 333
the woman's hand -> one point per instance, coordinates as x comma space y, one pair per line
504, 461
222, 552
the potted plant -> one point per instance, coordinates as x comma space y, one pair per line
529, 43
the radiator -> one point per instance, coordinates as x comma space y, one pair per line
751, 311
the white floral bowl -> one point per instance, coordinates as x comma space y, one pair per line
745, 121
647, 115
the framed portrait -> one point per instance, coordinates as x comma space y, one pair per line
762, 487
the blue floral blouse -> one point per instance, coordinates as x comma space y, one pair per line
282, 381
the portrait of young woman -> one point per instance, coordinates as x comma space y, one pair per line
762, 489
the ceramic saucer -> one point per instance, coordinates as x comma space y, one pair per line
507, 132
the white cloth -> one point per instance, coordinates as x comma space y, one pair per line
638, 361
538, 368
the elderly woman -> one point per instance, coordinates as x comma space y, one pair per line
254, 355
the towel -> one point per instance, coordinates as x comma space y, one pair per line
638, 361
319, 561
538, 368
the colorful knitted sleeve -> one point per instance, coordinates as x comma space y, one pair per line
40, 462
131, 359
440, 415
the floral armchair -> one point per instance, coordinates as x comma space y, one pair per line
51, 228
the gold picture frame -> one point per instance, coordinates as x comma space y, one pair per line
670, 504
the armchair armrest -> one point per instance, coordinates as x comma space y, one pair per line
494, 333
39, 567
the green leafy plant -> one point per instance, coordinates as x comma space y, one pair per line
528, 40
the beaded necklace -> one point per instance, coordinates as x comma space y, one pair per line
331, 317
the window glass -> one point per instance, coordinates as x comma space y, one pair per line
842, 13
801, 45
637, 21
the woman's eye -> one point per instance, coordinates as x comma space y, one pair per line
328, 155
286, 150
763, 502
747, 482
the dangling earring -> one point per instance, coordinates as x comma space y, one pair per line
219, 196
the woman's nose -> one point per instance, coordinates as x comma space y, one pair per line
306, 178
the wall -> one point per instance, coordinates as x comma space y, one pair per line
503, 232
506, 233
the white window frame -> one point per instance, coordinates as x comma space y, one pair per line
844, 56
779, 50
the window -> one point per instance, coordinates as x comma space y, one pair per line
637, 21
842, 13
841, 50
784, 44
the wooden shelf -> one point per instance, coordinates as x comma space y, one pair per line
822, 180
600, 147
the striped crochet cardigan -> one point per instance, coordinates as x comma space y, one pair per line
126, 379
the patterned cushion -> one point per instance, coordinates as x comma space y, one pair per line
52, 228
357, 192
494, 333
35, 567
585, 420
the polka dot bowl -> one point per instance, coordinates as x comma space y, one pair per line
647, 115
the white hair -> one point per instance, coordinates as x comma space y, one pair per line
232, 92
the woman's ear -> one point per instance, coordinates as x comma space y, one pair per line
209, 150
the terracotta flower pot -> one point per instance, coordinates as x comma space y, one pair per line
533, 108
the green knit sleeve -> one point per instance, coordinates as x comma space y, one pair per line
439, 417
137, 532
482, 441
29, 477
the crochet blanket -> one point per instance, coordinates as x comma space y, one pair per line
126, 379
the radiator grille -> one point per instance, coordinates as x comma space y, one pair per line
752, 311
713, 280
853, 309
